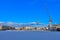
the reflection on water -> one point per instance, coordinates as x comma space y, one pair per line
29, 35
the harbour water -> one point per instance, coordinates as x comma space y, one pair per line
29, 35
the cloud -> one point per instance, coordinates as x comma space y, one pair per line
10, 23
2, 22
33, 23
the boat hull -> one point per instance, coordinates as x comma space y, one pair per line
58, 29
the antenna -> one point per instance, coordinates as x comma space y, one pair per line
50, 19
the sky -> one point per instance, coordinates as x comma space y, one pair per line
29, 10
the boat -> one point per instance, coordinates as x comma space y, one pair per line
58, 29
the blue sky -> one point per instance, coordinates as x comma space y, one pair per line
29, 10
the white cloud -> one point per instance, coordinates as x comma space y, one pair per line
10, 23
33, 23
2, 22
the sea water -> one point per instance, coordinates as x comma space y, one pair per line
29, 35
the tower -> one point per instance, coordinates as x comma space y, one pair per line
50, 23
50, 19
